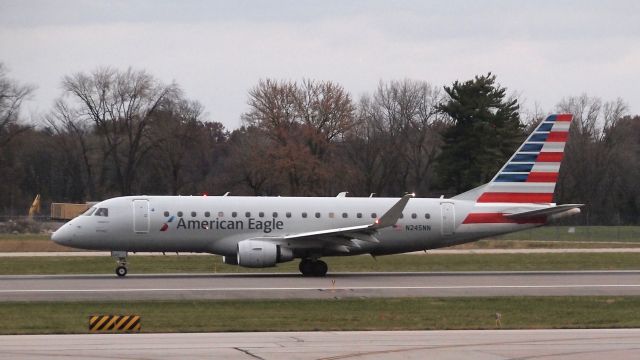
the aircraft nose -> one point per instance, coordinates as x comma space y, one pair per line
62, 236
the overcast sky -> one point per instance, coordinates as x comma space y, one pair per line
217, 50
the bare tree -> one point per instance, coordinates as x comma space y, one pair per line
304, 122
586, 174
176, 133
398, 137
74, 139
120, 104
12, 95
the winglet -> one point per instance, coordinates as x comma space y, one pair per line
391, 217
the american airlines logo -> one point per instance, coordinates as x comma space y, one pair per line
165, 226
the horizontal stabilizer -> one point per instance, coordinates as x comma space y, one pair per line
543, 212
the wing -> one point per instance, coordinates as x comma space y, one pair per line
341, 239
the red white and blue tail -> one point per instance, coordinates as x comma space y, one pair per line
531, 173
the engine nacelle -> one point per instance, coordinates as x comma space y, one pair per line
259, 254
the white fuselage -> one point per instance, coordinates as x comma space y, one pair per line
215, 224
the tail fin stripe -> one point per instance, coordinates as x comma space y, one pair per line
540, 137
553, 147
561, 126
512, 178
532, 147
527, 187
546, 126
553, 157
499, 218
559, 117
524, 158
551, 177
558, 136
546, 167
518, 167
518, 197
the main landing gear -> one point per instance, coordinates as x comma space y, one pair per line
311, 267
121, 261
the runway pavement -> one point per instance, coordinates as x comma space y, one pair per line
335, 285
472, 344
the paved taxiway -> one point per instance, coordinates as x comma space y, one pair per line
335, 285
468, 344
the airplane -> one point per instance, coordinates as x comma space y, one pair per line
259, 232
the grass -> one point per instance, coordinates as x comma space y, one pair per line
208, 264
328, 315
36, 237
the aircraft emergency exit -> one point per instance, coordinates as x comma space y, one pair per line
264, 231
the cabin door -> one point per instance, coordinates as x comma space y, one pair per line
141, 216
448, 218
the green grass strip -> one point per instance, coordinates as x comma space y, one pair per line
209, 264
326, 315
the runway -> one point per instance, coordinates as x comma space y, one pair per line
335, 285
453, 344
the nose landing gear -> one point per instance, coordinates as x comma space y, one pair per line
310, 267
121, 261
121, 270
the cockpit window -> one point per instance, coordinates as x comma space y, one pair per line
89, 211
102, 212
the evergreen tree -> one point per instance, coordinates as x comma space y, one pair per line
486, 131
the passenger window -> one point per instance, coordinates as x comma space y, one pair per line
179, 213
332, 215
261, 214
427, 216
373, 215
274, 215
221, 214
288, 214
414, 216
166, 214
318, 215
401, 215
207, 214
102, 212
345, 215
234, 214
304, 215
359, 215
193, 214
89, 211
247, 214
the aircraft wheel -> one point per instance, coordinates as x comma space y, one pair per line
121, 271
306, 267
320, 268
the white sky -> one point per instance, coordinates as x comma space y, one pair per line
217, 50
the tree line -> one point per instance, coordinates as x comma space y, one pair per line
119, 132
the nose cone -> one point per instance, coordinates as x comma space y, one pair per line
62, 236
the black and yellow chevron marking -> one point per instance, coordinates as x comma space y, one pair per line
114, 323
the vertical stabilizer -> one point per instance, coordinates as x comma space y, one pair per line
531, 174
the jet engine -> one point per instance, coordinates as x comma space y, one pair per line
259, 254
